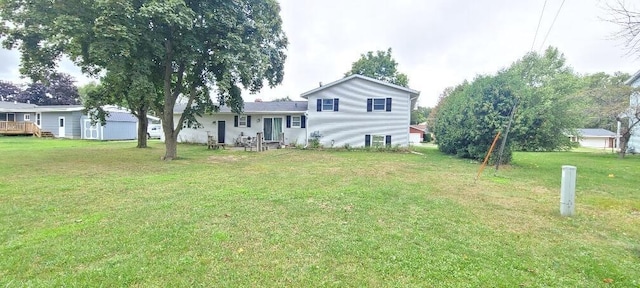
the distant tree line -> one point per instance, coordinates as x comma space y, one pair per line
57, 89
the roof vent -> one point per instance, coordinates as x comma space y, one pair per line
258, 100
320, 83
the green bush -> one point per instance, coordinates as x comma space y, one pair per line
426, 138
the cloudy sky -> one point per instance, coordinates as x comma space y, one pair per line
437, 43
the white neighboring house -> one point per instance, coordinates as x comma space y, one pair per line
271, 118
634, 101
357, 111
360, 111
595, 138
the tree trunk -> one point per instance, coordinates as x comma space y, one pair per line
143, 123
624, 141
171, 147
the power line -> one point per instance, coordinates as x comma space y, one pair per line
554, 22
538, 28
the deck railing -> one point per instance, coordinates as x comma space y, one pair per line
12, 127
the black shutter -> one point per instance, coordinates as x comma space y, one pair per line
369, 104
303, 121
387, 139
235, 121
249, 121
288, 121
335, 104
367, 140
388, 104
319, 104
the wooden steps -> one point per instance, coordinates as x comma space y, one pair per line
46, 134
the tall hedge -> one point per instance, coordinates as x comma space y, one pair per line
471, 115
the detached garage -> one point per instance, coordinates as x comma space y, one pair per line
119, 126
416, 133
596, 138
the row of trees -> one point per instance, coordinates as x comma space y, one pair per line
550, 99
57, 89
149, 53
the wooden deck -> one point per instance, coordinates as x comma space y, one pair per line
19, 128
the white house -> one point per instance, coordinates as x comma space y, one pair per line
634, 102
271, 118
357, 111
360, 111
595, 138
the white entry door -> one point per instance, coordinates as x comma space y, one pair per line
61, 126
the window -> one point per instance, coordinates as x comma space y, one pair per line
327, 104
379, 104
295, 121
242, 121
377, 141
27, 117
38, 119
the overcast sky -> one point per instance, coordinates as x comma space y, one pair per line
437, 43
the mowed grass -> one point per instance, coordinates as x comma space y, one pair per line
83, 213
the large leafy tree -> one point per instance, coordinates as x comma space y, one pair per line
608, 102
9, 91
57, 89
593, 86
420, 115
542, 89
379, 65
189, 49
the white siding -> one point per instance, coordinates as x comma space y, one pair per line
634, 100
595, 142
190, 135
352, 122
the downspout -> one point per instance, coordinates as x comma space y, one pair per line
306, 130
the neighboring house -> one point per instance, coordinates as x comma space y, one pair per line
634, 101
357, 111
595, 138
286, 120
416, 133
62, 121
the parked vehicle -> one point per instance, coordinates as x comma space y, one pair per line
154, 131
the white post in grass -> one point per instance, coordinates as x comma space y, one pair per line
568, 190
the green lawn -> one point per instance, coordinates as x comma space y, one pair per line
81, 213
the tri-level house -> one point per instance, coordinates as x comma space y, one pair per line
355, 111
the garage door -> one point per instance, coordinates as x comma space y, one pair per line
415, 138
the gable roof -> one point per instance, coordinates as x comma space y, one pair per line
596, 132
27, 108
121, 117
413, 93
422, 128
15, 105
633, 78
259, 107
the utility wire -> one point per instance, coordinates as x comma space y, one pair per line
550, 27
538, 28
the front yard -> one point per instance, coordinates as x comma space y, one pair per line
82, 213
